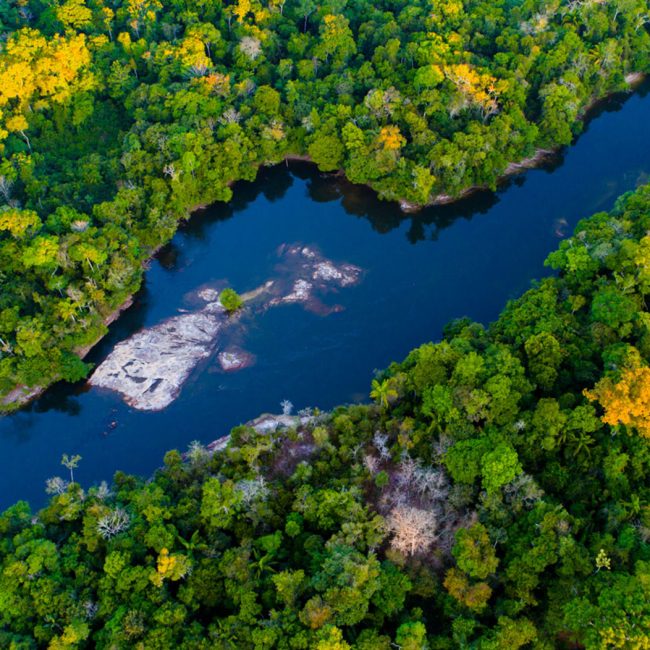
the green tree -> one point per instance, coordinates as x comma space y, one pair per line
230, 300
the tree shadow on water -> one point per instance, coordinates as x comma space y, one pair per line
272, 182
384, 216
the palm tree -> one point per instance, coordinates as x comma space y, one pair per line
383, 392
71, 462
582, 443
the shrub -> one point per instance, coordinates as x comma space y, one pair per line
231, 300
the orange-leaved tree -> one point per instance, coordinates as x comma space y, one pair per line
626, 401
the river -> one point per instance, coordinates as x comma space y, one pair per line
420, 271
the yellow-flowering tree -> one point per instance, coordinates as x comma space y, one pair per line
36, 73
170, 566
476, 88
391, 139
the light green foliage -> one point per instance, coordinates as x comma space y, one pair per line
499, 466
474, 552
619, 616
230, 300
544, 357
511, 634
411, 636
483, 442
347, 581
463, 460
219, 503
327, 152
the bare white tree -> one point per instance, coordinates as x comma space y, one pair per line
287, 407
442, 445
91, 609
371, 463
79, 225
197, 453
524, 490
103, 491
197, 70
5, 188
170, 170
308, 123
230, 116
250, 47
253, 490
380, 441
55, 485
519, 425
431, 482
406, 474
113, 523
413, 529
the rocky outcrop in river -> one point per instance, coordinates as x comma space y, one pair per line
150, 368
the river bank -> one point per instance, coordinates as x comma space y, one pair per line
22, 395
514, 168
267, 423
537, 159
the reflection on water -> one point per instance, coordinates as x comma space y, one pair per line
422, 270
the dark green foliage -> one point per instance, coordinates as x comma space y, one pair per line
481, 502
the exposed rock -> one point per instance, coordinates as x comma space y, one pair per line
540, 156
300, 292
218, 445
235, 359
268, 423
344, 275
409, 207
208, 294
634, 78
150, 368
321, 273
256, 293
21, 395
265, 423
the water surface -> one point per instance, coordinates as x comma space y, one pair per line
421, 271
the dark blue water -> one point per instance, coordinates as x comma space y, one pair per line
421, 272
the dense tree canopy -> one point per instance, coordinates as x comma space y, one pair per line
494, 496
117, 117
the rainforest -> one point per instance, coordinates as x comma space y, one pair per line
491, 489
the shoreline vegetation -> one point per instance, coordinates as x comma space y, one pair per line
22, 395
493, 495
536, 160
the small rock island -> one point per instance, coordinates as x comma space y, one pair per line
150, 368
